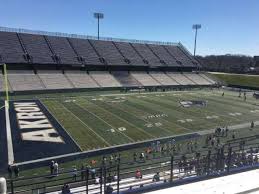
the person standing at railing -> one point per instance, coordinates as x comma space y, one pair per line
138, 174
51, 167
55, 168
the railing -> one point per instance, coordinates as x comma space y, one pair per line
121, 175
60, 34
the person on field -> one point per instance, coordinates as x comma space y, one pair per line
252, 125
56, 168
51, 167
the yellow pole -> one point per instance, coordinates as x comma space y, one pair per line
6, 86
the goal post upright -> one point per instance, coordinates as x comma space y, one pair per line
6, 86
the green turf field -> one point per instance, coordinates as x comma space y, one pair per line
113, 119
238, 79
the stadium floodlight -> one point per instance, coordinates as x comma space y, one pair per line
196, 27
98, 16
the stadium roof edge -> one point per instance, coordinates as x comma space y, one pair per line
80, 36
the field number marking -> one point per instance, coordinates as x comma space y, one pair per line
121, 129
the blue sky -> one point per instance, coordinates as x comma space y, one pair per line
228, 26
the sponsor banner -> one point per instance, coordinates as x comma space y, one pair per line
36, 133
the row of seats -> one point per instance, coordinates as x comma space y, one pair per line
42, 49
50, 79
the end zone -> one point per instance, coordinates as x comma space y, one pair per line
34, 133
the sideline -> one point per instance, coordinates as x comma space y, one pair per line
9, 136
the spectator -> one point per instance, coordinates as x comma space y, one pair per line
156, 177
10, 171
83, 172
74, 173
55, 168
109, 189
66, 189
138, 174
51, 166
16, 171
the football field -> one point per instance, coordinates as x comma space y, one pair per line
113, 119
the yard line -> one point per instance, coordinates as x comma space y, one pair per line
105, 122
146, 121
86, 125
126, 121
2, 107
166, 119
61, 125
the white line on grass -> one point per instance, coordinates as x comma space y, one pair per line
126, 121
61, 126
86, 125
9, 135
105, 122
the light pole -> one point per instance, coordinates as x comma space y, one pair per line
98, 16
196, 27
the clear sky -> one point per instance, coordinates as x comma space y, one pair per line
228, 26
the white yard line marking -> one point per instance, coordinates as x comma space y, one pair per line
86, 125
105, 122
9, 135
61, 126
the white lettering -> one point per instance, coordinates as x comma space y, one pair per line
42, 135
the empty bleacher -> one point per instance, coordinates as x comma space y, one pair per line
86, 51
109, 52
80, 79
180, 78
147, 54
196, 78
129, 53
10, 48
145, 79
179, 55
37, 47
163, 79
126, 79
104, 79
24, 81
63, 50
52, 79
207, 78
163, 54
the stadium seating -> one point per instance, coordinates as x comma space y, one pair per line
104, 79
180, 78
81, 79
37, 47
86, 51
126, 79
163, 79
54, 79
63, 50
179, 55
24, 80
10, 48
147, 54
109, 52
207, 78
163, 55
196, 78
145, 79
130, 53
